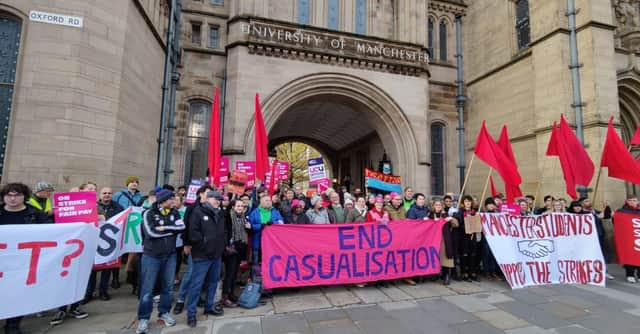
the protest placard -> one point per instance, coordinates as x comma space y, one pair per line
250, 168
316, 170
223, 172
43, 266
237, 183
193, 190
75, 207
559, 248
303, 255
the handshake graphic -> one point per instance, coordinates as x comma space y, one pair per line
536, 248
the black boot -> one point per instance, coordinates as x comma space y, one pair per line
447, 276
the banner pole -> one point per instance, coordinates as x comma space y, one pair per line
595, 188
466, 178
535, 201
486, 185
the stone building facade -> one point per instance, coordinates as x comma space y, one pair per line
349, 77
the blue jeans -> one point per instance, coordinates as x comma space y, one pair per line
152, 269
489, 264
186, 279
203, 271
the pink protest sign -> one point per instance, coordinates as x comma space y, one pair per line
248, 167
283, 170
511, 209
75, 207
304, 255
223, 172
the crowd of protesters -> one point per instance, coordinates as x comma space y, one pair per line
219, 233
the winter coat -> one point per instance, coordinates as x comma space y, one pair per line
396, 213
126, 199
207, 233
417, 212
110, 210
354, 216
318, 217
256, 225
29, 215
160, 243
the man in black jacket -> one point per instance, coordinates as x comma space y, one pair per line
16, 211
208, 240
160, 225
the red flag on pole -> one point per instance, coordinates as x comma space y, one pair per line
494, 191
577, 167
261, 142
635, 140
489, 152
274, 177
617, 158
513, 190
214, 150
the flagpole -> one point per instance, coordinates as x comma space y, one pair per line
466, 178
486, 185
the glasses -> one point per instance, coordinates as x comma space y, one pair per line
14, 195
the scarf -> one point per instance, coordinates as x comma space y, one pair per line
238, 232
265, 215
407, 204
362, 212
379, 215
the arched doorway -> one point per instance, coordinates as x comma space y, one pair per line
629, 99
352, 117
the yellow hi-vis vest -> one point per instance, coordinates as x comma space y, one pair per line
48, 208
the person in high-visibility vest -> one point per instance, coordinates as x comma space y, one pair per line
41, 198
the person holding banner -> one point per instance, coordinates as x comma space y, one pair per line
41, 198
378, 213
298, 216
264, 215
469, 247
237, 227
630, 207
337, 213
16, 211
359, 212
489, 264
447, 249
408, 198
160, 226
395, 208
317, 213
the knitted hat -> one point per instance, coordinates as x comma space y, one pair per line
395, 195
131, 179
164, 195
379, 198
348, 201
42, 186
295, 203
315, 200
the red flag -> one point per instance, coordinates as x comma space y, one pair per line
577, 167
494, 191
274, 177
513, 190
213, 158
261, 142
489, 152
635, 140
617, 158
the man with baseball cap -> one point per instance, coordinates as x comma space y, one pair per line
208, 241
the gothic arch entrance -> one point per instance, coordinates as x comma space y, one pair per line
629, 99
354, 120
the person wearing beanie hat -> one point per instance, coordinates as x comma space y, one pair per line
298, 215
395, 208
41, 198
129, 196
318, 214
161, 225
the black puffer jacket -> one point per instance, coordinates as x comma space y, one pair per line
207, 233
160, 243
29, 215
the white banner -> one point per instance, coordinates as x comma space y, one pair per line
44, 266
558, 248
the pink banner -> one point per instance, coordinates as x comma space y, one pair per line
75, 207
283, 170
223, 172
304, 255
512, 209
250, 168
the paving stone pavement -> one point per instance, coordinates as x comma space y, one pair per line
474, 308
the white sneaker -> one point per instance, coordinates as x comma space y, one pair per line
631, 279
143, 326
609, 276
169, 321
156, 299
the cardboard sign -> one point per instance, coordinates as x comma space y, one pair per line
74, 207
248, 167
238, 182
472, 224
557, 248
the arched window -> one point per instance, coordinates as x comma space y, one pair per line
333, 12
443, 41
430, 38
304, 11
10, 29
361, 17
523, 32
437, 159
197, 139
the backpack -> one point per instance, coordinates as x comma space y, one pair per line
250, 295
